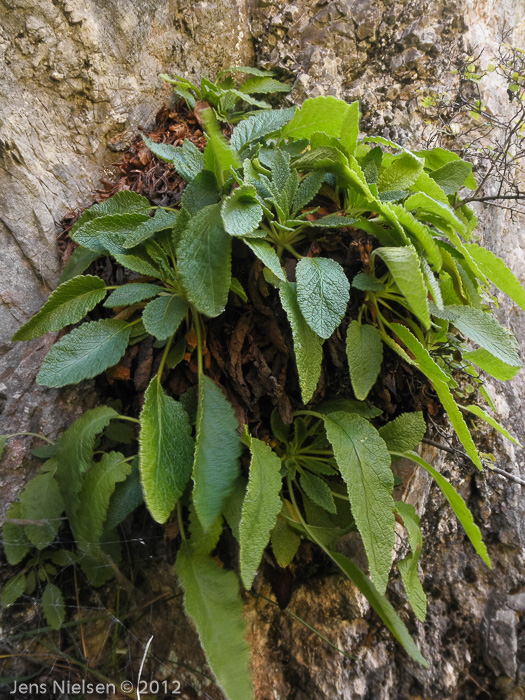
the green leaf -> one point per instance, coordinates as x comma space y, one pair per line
364, 350
109, 233
482, 328
408, 566
166, 451
308, 347
492, 365
367, 282
451, 177
309, 187
323, 291
318, 491
364, 463
402, 172
423, 202
126, 497
249, 70
132, 293
423, 358
327, 114
403, 264
138, 263
380, 604
264, 251
75, 453
260, 85
16, 544
68, 304
405, 432
480, 413
259, 125
285, 542
219, 156
13, 590
333, 221
93, 503
420, 235
41, 501
241, 213
80, 260
237, 288
350, 128
498, 273
163, 315
84, 353
160, 222
458, 505
187, 160
53, 606
260, 509
217, 451
204, 261
212, 600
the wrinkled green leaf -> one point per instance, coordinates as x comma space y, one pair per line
452, 176
403, 264
364, 463
160, 222
308, 347
41, 502
163, 315
53, 606
241, 212
187, 160
402, 172
13, 590
219, 156
217, 451
318, 491
68, 304
15, 541
498, 273
166, 451
84, 353
285, 542
408, 566
364, 350
109, 233
323, 291
492, 365
259, 125
81, 258
212, 601
132, 293
261, 507
326, 114
480, 413
405, 432
204, 254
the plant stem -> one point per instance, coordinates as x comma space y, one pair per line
164, 357
198, 330
180, 521
31, 435
128, 418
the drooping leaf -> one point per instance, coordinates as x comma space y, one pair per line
482, 328
285, 542
126, 497
364, 463
323, 291
261, 507
458, 505
217, 451
53, 606
403, 264
420, 234
132, 293
241, 212
402, 172
259, 125
424, 360
204, 261
264, 251
405, 432
41, 502
15, 541
187, 160
163, 315
380, 604
212, 601
308, 347
492, 365
498, 273
325, 114
13, 590
85, 352
408, 566
480, 413
162, 220
109, 233
422, 202
166, 451
364, 350
68, 304
219, 156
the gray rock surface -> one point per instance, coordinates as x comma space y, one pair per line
81, 75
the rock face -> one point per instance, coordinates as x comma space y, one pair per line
79, 77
